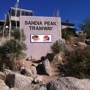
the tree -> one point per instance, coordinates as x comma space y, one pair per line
85, 26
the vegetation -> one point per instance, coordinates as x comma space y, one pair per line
18, 34
57, 47
5, 32
66, 34
12, 50
78, 63
85, 26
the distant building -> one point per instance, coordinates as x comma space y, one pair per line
79, 32
70, 27
67, 25
12, 17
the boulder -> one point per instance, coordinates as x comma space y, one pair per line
46, 66
25, 71
38, 79
35, 64
3, 86
33, 69
41, 87
81, 44
17, 80
66, 83
2, 76
50, 56
40, 69
7, 71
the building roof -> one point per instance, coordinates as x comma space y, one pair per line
21, 9
67, 23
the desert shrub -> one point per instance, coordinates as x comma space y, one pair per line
57, 47
12, 50
66, 34
79, 38
82, 38
78, 63
18, 34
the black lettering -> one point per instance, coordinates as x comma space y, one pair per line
25, 22
45, 23
40, 28
37, 28
45, 28
53, 23
32, 27
49, 23
33, 23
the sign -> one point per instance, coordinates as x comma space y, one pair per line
40, 38
41, 33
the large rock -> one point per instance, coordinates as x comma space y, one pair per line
46, 66
2, 76
25, 71
7, 71
41, 87
3, 85
58, 58
66, 83
17, 80
81, 44
50, 56
33, 69
38, 79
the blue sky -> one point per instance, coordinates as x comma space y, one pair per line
74, 10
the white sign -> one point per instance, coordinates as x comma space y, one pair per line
40, 38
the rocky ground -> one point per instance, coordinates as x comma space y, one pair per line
24, 81
55, 75
32, 75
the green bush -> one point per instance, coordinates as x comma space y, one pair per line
78, 63
9, 51
12, 50
57, 47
